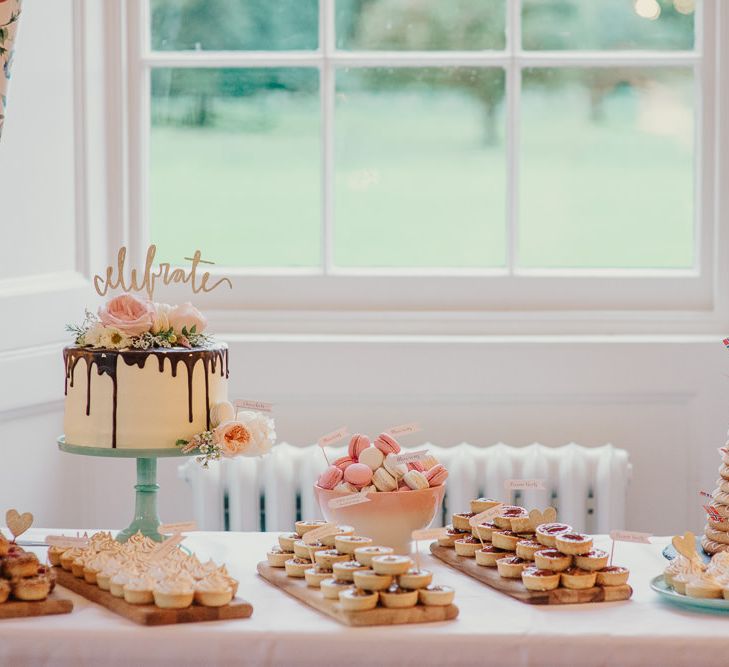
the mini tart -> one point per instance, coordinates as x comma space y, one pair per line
90, 574
67, 557
467, 546
329, 540
552, 559
452, 534
391, 564
460, 521
678, 582
315, 575
77, 567
173, 595
54, 555
577, 578
507, 513
522, 524
535, 579
346, 544
414, 579
484, 530
286, 541
295, 567
489, 554
353, 599
331, 588
303, 527
344, 570
505, 539
31, 589
4, 590
365, 554
593, 560
575, 544
703, 587
369, 580
48, 573
277, 557
303, 550
138, 591
20, 565
483, 504
527, 548
327, 557
398, 598
613, 575
511, 567
547, 533
436, 596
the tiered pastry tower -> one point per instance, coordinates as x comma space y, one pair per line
716, 531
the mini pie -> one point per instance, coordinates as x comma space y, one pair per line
327, 557
702, 586
522, 524
552, 559
365, 554
452, 534
613, 575
346, 544
331, 588
354, 599
391, 564
54, 554
507, 513
344, 570
414, 579
511, 567
315, 575
535, 579
295, 567
467, 546
20, 565
546, 533
77, 567
277, 557
576, 544
398, 598
138, 591
460, 521
578, 579
482, 504
369, 580
484, 530
527, 548
504, 539
329, 540
31, 589
595, 559
303, 550
436, 596
4, 590
303, 527
489, 554
286, 541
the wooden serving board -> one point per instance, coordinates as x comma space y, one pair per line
53, 604
378, 616
514, 587
149, 614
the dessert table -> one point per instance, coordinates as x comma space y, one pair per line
492, 629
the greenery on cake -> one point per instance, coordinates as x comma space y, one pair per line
126, 322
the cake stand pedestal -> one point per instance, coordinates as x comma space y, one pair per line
146, 518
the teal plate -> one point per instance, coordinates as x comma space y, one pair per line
659, 585
669, 553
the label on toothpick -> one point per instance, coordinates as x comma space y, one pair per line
630, 536
174, 528
334, 436
346, 501
705, 494
258, 406
326, 530
523, 484
428, 534
411, 457
486, 516
403, 429
166, 547
66, 542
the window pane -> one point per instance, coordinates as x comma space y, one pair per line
607, 168
427, 24
420, 168
229, 25
608, 24
235, 165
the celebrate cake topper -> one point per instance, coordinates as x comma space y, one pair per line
115, 276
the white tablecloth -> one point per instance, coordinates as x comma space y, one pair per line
492, 629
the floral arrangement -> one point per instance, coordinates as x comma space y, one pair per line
247, 434
127, 322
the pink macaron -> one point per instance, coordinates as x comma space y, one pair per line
330, 477
358, 474
387, 444
343, 462
416, 465
403, 487
436, 475
357, 445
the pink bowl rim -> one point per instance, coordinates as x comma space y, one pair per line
385, 493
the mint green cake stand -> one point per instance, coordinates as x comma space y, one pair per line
146, 518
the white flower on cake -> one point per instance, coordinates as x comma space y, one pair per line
109, 338
160, 317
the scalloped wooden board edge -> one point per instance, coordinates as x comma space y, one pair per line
379, 616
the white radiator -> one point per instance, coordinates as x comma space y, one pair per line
587, 485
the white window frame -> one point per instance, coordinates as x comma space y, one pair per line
484, 300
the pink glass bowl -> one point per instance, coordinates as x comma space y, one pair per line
389, 518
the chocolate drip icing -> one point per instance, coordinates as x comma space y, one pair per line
106, 363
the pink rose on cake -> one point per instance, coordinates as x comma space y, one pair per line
186, 316
127, 314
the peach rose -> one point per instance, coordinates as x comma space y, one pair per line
127, 314
186, 315
233, 438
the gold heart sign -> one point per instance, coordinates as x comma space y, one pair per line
18, 523
686, 545
537, 518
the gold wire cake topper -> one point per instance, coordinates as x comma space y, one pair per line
115, 277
